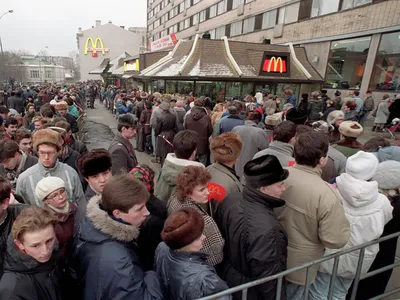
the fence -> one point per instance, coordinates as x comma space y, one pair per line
336, 256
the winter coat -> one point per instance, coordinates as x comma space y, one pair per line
367, 211
187, 275
123, 155
5, 228
226, 125
199, 121
254, 139
282, 151
256, 243
28, 180
214, 243
313, 218
72, 122
25, 278
139, 108
166, 180
180, 114
269, 107
122, 108
394, 110
315, 107
351, 115
292, 100
26, 162
215, 117
348, 147
28, 119
65, 230
73, 110
166, 127
388, 153
339, 161
368, 105
17, 103
382, 113
78, 146
225, 177
107, 260
145, 121
150, 231
70, 158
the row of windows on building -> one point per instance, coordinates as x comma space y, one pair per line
286, 14
347, 60
36, 74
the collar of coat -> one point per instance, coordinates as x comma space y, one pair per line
282, 147
103, 222
119, 138
316, 170
53, 170
254, 195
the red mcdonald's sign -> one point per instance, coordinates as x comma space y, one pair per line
275, 64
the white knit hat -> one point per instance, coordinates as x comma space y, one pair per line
48, 185
388, 175
362, 165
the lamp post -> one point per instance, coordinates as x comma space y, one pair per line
40, 63
1, 47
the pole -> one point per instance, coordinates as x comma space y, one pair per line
3, 63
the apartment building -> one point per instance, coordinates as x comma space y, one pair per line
353, 44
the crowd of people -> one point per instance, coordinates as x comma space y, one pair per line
248, 188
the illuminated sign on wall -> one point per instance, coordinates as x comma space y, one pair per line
275, 64
91, 46
132, 65
165, 42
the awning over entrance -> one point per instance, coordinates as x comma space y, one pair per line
100, 69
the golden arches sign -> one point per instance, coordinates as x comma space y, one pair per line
94, 46
274, 61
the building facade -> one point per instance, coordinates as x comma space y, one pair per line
107, 41
39, 71
353, 44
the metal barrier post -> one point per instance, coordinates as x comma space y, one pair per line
279, 289
358, 273
333, 277
244, 294
307, 290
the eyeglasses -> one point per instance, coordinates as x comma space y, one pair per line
44, 153
60, 195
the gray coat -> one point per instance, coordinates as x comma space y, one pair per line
221, 175
382, 113
254, 139
123, 156
282, 151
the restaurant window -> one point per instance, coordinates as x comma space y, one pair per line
386, 72
213, 11
348, 4
346, 63
269, 19
219, 32
247, 88
282, 87
213, 89
236, 28
233, 89
202, 16
288, 14
179, 87
323, 7
221, 7
236, 3
248, 25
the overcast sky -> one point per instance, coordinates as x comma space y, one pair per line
38, 23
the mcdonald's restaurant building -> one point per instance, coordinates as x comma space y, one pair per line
222, 69
107, 41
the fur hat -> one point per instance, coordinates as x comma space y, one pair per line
62, 105
46, 136
351, 129
333, 116
144, 95
297, 116
127, 120
264, 171
226, 147
182, 228
48, 185
388, 175
362, 165
94, 162
167, 98
157, 95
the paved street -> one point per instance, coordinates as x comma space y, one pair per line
102, 125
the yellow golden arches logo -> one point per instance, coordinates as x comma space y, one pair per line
94, 46
276, 62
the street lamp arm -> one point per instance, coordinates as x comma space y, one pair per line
7, 12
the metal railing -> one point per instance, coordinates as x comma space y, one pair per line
336, 256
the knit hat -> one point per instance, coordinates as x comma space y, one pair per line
46, 136
144, 174
297, 116
362, 165
226, 147
264, 171
333, 116
127, 120
351, 129
164, 105
48, 185
53, 102
62, 105
388, 175
180, 103
199, 102
94, 162
182, 228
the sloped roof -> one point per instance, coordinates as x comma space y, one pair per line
210, 60
100, 69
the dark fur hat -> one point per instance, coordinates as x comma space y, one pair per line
94, 162
264, 171
182, 228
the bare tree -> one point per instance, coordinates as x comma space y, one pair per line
75, 60
13, 66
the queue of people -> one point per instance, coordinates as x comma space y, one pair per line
242, 194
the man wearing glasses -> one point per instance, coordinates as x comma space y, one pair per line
47, 143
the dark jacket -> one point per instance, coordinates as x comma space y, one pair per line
25, 278
150, 232
315, 107
70, 159
12, 175
72, 121
78, 146
107, 260
166, 126
229, 123
180, 117
17, 103
394, 111
368, 105
139, 108
199, 121
187, 275
145, 121
256, 243
12, 213
123, 155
